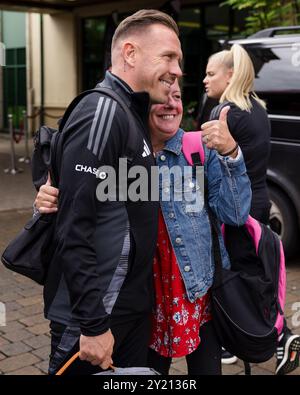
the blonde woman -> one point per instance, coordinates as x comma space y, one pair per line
230, 79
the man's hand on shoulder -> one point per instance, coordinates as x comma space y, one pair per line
97, 349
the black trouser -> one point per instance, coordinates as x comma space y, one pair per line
205, 360
130, 349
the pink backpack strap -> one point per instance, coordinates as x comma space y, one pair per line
192, 142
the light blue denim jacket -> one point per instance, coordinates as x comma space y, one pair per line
229, 196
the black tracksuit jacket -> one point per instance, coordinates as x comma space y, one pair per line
102, 265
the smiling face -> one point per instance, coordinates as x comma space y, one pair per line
156, 62
217, 79
165, 119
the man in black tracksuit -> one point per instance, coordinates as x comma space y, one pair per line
98, 293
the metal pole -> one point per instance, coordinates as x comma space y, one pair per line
12, 170
26, 158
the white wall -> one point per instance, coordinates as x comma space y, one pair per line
60, 78
60, 60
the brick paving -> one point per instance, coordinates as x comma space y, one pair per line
25, 341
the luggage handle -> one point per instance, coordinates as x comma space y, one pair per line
70, 361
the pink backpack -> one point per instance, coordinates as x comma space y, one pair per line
248, 301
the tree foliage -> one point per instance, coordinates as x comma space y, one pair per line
267, 13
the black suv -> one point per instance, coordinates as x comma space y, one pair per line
275, 54
276, 57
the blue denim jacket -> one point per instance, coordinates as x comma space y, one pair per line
229, 197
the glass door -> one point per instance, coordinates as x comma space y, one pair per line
14, 86
93, 59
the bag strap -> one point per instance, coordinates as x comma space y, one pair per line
194, 153
216, 111
215, 244
191, 143
57, 144
107, 91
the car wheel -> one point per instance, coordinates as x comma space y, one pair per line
283, 221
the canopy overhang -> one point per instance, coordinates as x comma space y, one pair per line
48, 6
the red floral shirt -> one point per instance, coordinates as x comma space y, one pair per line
176, 321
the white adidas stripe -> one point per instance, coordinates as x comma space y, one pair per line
147, 151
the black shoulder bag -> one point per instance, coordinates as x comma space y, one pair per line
31, 251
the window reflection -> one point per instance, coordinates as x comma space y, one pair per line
93, 31
277, 78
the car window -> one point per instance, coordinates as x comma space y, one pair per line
277, 79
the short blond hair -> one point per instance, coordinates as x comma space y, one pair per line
141, 20
241, 85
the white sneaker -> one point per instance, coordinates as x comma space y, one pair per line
227, 358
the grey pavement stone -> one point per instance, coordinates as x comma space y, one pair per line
30, 291
6, 280
232, 369
291, 298
14, 315
33, 309
43, 366
292, 275
258, 371
15, 348
295, 293
29, 284
179, 363
37, 341
288, 312
12, 326
269, 365
43, 352
12, 306
33, 320
18, 186
37, 299
2, 356
3, 341
293, 286
39, 329
28, 370
8, 286
178, 366
176, 372
9, 297
17, 335
17, 362
21, 280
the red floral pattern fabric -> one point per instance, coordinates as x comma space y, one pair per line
176, 321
